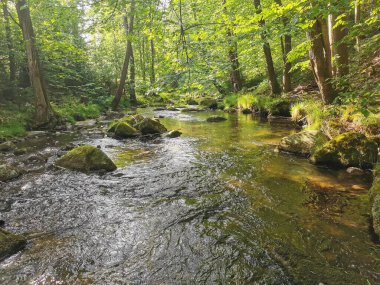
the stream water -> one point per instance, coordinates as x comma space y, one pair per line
215, 206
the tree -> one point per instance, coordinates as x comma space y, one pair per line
44, 112
127, 59
10, 45
274, 85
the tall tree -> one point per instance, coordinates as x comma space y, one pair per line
44, 112
9, 40
320, 58
274, 85
286, 46
128, 55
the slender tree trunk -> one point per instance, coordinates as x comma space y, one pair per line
132, 80
286, 45
8, 36
340, 49
320, 58
274, 85
128, 54
44, 112
358, 16
152, 63
236, 77
142, 59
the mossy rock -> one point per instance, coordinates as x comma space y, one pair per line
374, 195
10, 244
210, 103
280, 108
124, 130
149, 127
191, 101
86, 158
302, 143
345, 150
7, 146
133, 121
216, 119
173, 134
8, 172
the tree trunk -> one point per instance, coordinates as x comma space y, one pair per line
358, 16
319, 58
43, 109
128, 54
340, 49
236, 77
274, 85
132, 80
8, 36
152, 63
286, 45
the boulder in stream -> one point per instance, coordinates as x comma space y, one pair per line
8, 172
150, 127
7, 146
302, 143
173, 134
10, 244
375, 205
347, 150
86, 158
124, 130
216, 119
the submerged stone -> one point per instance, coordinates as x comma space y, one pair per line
302, 143
149, 127
86, 158
10, 244
216, 119
347, 150
8, 172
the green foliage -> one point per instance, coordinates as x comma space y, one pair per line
312, 110
71, 108
14, 121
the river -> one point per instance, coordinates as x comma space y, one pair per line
216, 206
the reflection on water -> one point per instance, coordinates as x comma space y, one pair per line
216, 206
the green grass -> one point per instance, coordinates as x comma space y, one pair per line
72, 107
13, 121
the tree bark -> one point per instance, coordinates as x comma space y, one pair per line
44, 112
274, 85
358, 16
132, 80
128, 54
340, 49
320, 61
10, 46
152, 63
286, 45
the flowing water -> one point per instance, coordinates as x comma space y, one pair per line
216, 206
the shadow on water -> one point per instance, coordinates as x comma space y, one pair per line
216, 206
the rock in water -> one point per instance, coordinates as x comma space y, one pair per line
151, 127
302, 143
86, 158
375, 205
124, 130
7, 146
216, 119
10, 244
8, 172
173, 134
347, 150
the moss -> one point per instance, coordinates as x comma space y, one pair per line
302, 143
86, 158
209, 103
10, 244
124, 130
348, 149
149, 126
8, 172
